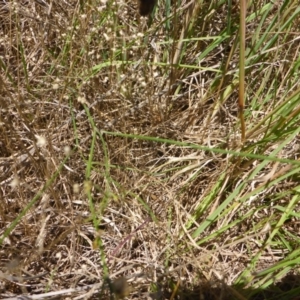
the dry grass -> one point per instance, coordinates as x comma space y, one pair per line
121, 167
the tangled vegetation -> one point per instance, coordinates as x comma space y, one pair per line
124, 171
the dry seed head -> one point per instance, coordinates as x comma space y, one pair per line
101, 8
82, 100
106, 37
67, 150
15, 182
55, 86
76, 188
40, 140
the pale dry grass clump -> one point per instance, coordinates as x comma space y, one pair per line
109, 123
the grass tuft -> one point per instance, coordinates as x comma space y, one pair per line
149, 157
